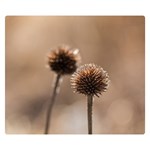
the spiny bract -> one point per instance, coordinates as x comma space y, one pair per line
90, 79
63, 60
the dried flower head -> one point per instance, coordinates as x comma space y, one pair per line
90, 79
63, 60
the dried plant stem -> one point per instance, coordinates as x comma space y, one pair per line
51, 104
89, 109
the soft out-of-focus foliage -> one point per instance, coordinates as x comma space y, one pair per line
115, 43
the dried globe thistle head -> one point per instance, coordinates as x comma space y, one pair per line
90, 79
63, 60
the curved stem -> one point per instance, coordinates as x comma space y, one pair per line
51, 104
89, 109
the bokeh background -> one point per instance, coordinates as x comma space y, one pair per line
117, 43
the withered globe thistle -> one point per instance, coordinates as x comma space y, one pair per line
63, 60
90, 79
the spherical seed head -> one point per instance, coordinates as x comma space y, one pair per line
90, 79
63, 60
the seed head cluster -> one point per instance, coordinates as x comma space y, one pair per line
90, 79
63, 60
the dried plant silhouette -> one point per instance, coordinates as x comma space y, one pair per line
90, 80
63, 61
116, 43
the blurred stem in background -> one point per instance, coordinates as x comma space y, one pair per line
51, 103
63, 61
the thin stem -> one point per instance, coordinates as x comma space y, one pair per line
89, 109
51, 104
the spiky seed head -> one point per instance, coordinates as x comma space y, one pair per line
90, 79
63, 60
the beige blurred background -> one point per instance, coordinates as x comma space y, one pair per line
115, 43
